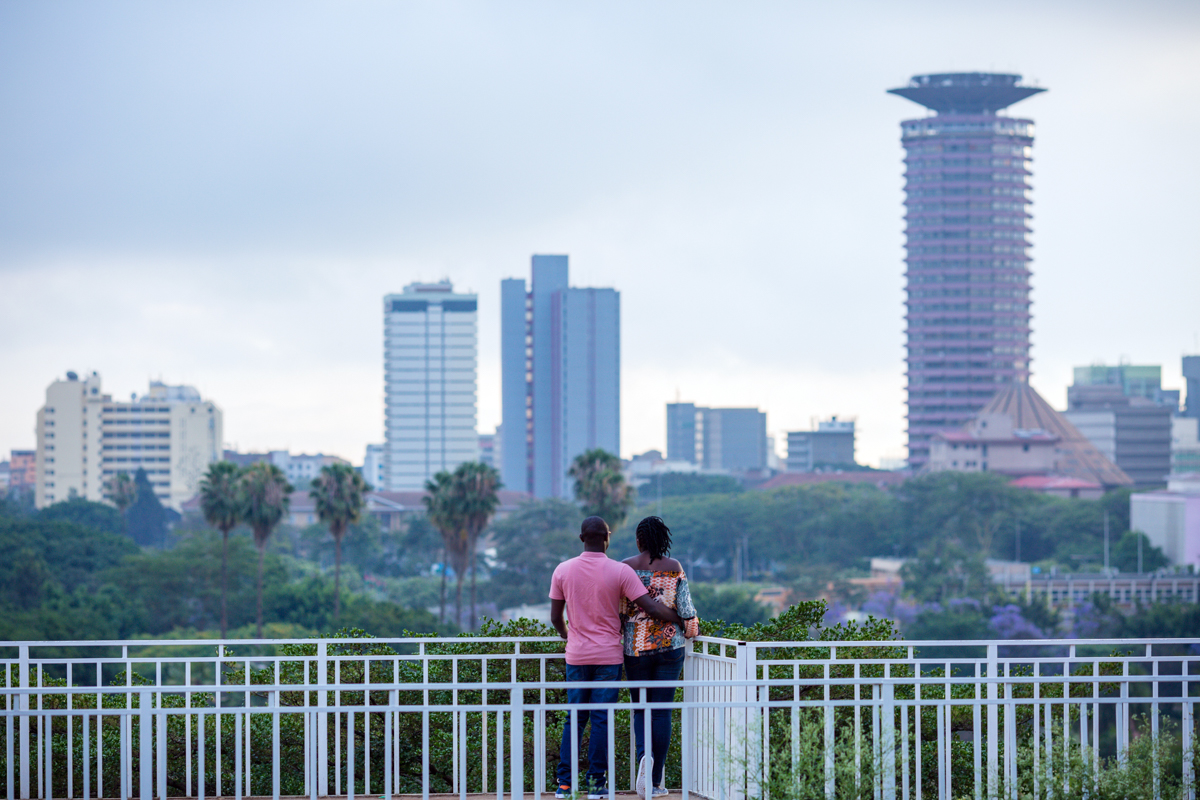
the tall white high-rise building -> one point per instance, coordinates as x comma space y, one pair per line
84, 438
431, 361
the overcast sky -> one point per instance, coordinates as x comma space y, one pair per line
220, 193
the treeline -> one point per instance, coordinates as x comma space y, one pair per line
70, 572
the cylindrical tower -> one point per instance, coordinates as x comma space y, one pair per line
967, 214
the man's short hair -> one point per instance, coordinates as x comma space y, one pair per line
593, 530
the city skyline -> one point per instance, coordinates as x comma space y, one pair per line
727, 194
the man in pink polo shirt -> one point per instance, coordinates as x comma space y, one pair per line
590, 587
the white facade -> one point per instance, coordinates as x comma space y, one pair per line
84, 438
1099, 428
1171, 518
372, 469
300, 469
431, 360
1185, 444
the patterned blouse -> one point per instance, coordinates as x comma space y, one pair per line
644, 634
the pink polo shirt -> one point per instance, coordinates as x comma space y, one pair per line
593, 585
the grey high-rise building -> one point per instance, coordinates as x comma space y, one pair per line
431, 354
560, 388
733, 439
831, 444
1133, 432
681, 432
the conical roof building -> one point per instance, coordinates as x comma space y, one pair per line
1077, 457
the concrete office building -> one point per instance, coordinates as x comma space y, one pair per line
560, 353
681, 432
301, 468
84, 438
1170, 518
1185, 445
22, 470
726, 439
431, 363
967, 210
1191, 376
1141, 381
487, 449
832, 443
1132, 432
372, 468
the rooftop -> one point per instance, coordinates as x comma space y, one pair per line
966, 92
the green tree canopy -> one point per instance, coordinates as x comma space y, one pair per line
97, 516
460, 504
600, 486
220, 502
264, 493
530, 543
339, 493
146, 517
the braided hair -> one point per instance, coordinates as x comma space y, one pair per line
654, 537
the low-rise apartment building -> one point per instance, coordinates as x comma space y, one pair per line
85, 438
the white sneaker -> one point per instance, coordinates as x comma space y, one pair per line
640, 785
660, 791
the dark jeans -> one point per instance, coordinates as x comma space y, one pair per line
598, 742
660, 665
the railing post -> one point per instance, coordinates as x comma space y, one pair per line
516, 740
22, 703
145, 747
888, 734
687, 747
993, 669
739, 752
322, 748
160, 755
830, 775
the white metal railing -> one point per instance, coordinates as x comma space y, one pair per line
321, 718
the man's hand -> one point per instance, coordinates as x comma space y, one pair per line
556, 617
653, 608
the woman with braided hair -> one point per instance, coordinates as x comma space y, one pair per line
654, 650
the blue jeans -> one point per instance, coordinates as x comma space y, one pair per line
598, 742
660, 665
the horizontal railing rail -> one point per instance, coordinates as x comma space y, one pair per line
475, 715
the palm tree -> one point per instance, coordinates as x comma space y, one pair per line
600, 486
443, 513
478, 488
221, 508
122, 491
340, 495
460, 505
264, 495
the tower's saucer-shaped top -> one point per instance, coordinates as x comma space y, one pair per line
966, 92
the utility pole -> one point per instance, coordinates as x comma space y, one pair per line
1105, 542
1139, 535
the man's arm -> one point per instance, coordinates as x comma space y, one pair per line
653, 608
556, 617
